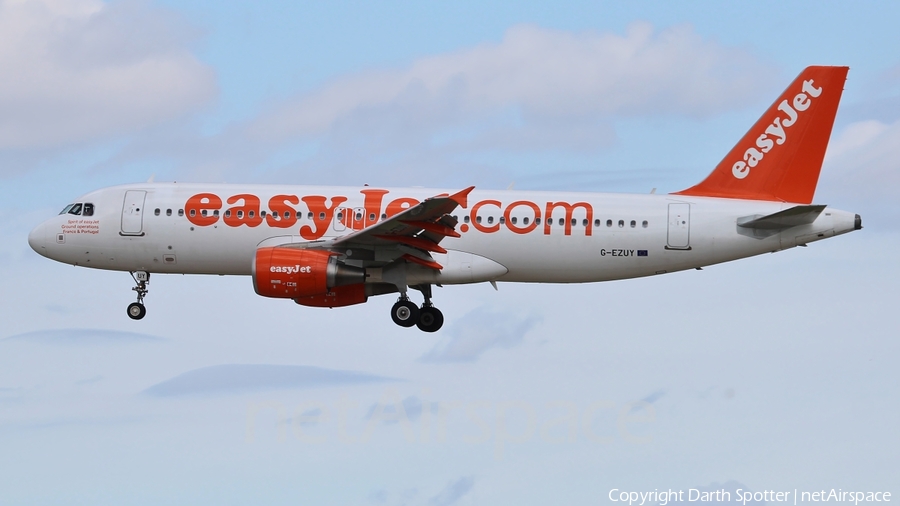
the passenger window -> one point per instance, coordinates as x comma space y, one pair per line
490, 219
371, 216
202, 212
633, 223
251, 214
574, 222
240, 214
608, 223
596, 223
340, 216
287, 215
466, 219
644, 224
621, 223
358, 216
537, 221
216, 213
584, 223
383, 216
309, 216
88, 210
525, 221
478, 219
181, 212
562, 221
193, 212
156, 212
321, 216
76, 210
168, 212
228, 213
513, 220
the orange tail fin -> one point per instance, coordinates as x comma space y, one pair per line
780, 158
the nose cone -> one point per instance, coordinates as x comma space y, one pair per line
37, 239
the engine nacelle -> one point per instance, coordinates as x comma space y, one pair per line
291, 273
338, 296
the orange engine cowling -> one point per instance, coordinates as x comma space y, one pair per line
336, 297
291, 273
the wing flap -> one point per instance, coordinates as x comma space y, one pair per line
413, 233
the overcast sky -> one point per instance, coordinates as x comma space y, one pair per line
777, 372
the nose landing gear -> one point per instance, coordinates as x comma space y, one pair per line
428, 318
136, 310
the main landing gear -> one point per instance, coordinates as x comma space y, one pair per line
428, 318
136, 310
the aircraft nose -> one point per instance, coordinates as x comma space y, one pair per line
37, 239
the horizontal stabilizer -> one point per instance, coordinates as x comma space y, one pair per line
793, 217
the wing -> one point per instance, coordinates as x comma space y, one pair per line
412, 234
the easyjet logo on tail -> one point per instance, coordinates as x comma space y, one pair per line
776, 132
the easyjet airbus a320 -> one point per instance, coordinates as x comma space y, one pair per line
338, 246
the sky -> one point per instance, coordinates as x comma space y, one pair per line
771, 373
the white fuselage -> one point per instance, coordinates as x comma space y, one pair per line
154, 227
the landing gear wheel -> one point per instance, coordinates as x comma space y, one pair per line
405, 313
136, 311
430, 319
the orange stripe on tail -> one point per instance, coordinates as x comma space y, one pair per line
780, 158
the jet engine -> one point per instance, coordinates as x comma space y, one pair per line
304, 274
338, 296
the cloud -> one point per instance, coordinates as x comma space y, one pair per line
240, 378
536, 90
453, 492
479, 331
63, 421
544, 73
655, 396
412, 408
862, 169
81, 337
90, 381
449, 495
82, 70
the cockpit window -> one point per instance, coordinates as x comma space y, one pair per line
76, 210
66, 209
88, 209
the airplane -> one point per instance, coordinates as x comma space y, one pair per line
337, 246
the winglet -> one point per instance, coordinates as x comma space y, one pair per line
462, 197
780, 158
